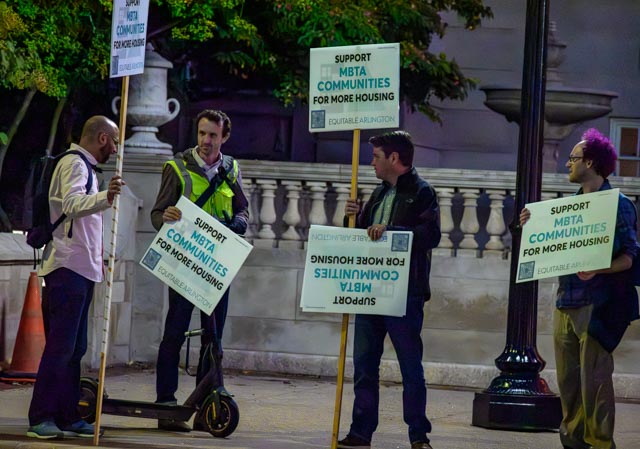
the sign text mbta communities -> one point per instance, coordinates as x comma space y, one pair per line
347, 272
354, 87
568, 235
197, 256
128, 37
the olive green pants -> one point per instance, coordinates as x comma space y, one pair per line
585, 382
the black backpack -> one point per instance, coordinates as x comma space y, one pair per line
36, 216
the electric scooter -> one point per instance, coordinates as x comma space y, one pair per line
216, 411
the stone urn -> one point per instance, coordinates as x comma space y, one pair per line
148, 106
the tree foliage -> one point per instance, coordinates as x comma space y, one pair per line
54, 45
271, 39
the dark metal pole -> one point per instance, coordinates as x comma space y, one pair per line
519, 398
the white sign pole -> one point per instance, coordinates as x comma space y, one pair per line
128, 38
111, 263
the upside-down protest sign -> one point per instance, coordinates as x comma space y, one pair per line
568, 235
347, 272
197, 256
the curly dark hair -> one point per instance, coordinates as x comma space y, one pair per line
398, 141
600, 150
216, 116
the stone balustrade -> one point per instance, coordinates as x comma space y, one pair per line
267, 331
476, 207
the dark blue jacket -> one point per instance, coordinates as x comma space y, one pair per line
415, 208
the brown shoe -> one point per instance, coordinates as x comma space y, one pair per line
173, 425
420, 445
353, 442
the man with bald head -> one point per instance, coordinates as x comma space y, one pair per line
71, 265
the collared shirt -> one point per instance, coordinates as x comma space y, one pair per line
83, 251
572, 291
211, 170
382, 214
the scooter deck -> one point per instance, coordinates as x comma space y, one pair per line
141, 409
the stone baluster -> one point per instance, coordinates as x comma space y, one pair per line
291, 216
317, 214
495, 224
248, 187
267, 211
342, 191
469, 224
445, 197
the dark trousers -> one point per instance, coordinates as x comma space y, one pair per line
368, 346
176, 324
57, 389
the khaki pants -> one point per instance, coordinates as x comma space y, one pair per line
585, 382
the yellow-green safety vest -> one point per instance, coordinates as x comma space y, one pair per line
195, 184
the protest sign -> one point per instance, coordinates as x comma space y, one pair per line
568, 235
197, 256
128, 37
347, 272
354, 87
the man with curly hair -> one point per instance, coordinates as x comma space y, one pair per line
593, 310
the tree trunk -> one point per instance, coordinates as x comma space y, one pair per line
54, 124
5, 224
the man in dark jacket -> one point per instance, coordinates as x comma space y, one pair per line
403, 202
190, 174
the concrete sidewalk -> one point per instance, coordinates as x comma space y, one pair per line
290, 413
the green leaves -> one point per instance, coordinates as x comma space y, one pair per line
59, 45
298, 25
53, 46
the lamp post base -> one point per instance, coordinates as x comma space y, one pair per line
516, 412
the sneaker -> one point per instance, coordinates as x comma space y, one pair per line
46, 430
80, 429
353, 442
173, 425
420, 445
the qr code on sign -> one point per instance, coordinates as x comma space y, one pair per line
151, 259
317, 119
526, 270
114, 64
400, 242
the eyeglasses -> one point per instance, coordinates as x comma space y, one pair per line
574, 159
115, 140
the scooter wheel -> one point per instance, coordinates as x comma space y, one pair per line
223, 424
88, 399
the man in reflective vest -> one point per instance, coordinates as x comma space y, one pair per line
211, 180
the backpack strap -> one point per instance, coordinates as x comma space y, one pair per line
90, 169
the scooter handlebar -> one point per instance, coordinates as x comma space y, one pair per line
194, 333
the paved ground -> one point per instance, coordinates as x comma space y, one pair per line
291, 413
